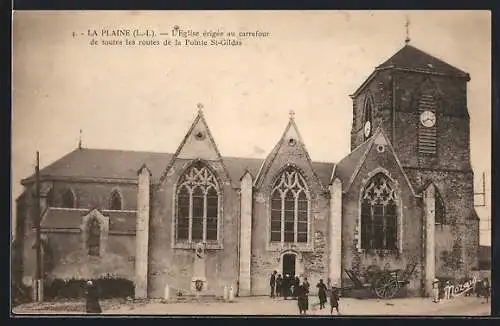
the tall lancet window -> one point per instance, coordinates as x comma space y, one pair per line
379, 214
440, 217
94, 238
368, 117
198, 205
290, 204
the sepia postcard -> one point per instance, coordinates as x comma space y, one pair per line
297, 163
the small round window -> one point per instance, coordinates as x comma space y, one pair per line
380, 148
199, 135
292, 142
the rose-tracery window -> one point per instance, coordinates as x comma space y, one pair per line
94, 237
197, 205
290, 208
379, 214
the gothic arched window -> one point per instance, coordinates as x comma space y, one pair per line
440, 217
290, 208
68, 199
115, 202
378, 214
197, 200
94, 237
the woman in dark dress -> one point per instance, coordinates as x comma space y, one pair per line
321, 294
92, 299
279, 285
285, 286
302, 301
486, 289
307, 286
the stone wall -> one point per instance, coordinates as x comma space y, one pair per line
65, 247
174, 266
458, 240
380, 88
409, 209
312, 259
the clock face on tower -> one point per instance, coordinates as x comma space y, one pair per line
428, 119
368, 128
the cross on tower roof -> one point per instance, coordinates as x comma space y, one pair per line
292, 114
407, 25
200, 108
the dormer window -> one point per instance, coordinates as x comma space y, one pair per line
115, 202
68, 199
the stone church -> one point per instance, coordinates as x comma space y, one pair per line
197, 220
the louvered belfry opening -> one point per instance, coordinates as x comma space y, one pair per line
427, 135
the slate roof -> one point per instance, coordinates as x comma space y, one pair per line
64, 218
473, 216
123, 165
413, 58
104, 163
345, 169
409, 57
350, 165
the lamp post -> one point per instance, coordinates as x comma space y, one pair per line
38, 280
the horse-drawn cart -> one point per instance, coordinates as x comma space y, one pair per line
384, 283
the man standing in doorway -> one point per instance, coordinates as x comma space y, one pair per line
272, 283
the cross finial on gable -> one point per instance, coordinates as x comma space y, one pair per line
407, 25
200, 108
292, 114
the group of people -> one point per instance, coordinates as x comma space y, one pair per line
483, 289
285, 287
298, 289
444, 291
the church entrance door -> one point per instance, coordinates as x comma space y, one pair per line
289, 264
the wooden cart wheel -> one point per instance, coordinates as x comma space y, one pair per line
386, 287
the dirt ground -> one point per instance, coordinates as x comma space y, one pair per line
460, 306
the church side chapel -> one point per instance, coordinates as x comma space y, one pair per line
198, 221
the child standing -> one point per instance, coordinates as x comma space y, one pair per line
321, 294
334, 299
435, 290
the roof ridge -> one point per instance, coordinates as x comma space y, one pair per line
122, 150
419, 51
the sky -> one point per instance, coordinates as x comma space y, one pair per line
145, 97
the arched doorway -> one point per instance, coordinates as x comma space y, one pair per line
288, 264
290, 261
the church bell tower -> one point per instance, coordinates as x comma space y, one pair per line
420, 102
